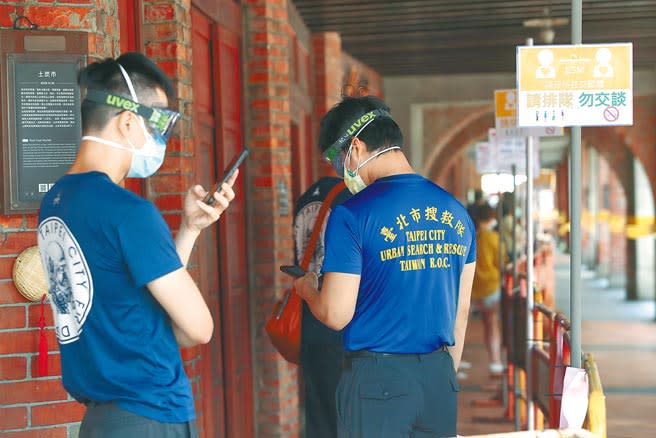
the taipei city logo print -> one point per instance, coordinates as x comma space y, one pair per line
69, 280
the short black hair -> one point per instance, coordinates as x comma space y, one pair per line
486, 212
106, 75
383, 131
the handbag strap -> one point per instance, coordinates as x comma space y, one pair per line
316, 230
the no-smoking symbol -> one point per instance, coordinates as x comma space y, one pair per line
611, 114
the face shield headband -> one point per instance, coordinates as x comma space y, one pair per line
333, 154
160, 120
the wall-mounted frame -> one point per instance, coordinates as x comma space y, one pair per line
40, 122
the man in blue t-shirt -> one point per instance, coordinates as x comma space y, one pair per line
122, 298
398, 269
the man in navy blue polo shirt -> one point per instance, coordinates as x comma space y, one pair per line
398, 269
122, 298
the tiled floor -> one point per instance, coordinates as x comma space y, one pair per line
620, 335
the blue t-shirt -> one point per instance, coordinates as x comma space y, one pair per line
100, 245
409, 240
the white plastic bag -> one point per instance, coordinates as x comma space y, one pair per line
574, 403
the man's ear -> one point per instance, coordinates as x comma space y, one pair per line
126, 123
359, 149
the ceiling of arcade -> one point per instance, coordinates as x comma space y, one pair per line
429, 37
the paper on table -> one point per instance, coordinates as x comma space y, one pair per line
574, 403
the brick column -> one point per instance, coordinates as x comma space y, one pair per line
618, 241
327, 52
39, 404
268, 131
603, 219
166, 33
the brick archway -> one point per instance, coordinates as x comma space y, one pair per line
610, 144
470, 129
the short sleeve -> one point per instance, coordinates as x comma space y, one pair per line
471, 256
147, 245
343, 243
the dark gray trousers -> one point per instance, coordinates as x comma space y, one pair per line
108, 420
398, 396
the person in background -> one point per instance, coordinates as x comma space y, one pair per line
321, 347
479, 201
397, 274
130, 303
486, 294
507, 227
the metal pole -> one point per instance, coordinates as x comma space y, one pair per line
575, 209
516, 380
513, 256
530, 421
503, 305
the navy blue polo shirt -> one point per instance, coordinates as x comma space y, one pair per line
409, 240
100, 246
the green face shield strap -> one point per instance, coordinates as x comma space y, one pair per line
161, 120
333, 154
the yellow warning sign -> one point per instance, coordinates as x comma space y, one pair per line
577, 85
589, 67
505, 103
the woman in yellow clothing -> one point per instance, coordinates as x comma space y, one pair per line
486, 292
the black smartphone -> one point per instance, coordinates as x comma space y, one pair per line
293, 270
234, 164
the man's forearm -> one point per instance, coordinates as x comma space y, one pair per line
184, 243
183, 340
315, 303
459, 335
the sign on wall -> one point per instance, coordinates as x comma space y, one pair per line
582, 85
499, 154
40, 122
505, 117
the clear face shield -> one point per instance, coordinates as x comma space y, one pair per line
335, 154
159, 121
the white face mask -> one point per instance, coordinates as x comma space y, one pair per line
147, 159
352, 178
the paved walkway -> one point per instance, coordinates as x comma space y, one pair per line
620, 335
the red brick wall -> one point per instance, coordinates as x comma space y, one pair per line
268, 113
326, 55
30, 405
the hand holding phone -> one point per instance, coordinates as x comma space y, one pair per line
234, 164
293, 270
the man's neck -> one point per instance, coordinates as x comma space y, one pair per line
388, 164
96, 157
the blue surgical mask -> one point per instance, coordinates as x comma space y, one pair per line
146, 160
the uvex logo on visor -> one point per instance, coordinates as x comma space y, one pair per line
161, 119
122, 102
332, 153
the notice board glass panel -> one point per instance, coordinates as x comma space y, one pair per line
43, 125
